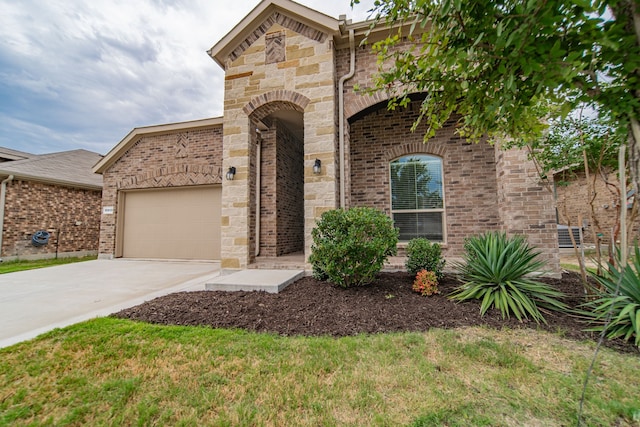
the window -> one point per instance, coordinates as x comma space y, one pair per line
417, 197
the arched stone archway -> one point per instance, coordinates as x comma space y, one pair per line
278, 190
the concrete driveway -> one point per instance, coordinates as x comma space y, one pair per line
36, 301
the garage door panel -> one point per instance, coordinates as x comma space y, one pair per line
181, 223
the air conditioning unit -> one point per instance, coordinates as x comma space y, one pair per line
564, 240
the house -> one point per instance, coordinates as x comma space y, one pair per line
296, 140
56, 193
592, 204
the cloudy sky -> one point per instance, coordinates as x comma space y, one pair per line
83, 73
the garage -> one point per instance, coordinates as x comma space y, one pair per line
176, 223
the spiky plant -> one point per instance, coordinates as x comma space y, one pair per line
497, 270
618, 299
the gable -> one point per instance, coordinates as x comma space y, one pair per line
285, 13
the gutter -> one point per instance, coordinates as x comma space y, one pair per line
3, 194
352, 70
258, 189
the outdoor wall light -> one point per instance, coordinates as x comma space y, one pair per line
316, 166
231, 173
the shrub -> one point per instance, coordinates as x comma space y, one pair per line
623, 306
424, 255
350, 246
426, 283
495, 271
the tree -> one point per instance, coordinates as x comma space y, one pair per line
505, 65
589, 146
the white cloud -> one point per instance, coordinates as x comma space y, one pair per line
81, 74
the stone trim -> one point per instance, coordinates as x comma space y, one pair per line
238, 76
297, 101
174, 176
434, 148
286, 22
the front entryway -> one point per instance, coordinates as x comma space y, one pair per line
281, 181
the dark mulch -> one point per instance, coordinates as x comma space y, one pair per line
311, 307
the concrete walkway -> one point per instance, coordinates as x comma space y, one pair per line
36, 301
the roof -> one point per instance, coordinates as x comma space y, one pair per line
7, 154
239, 34
66, 168
116, 152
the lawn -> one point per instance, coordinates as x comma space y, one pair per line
21, 265
118, 372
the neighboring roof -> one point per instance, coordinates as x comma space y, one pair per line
9, 154
131, 138
67, 168
239, 34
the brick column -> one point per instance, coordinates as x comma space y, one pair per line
526, 206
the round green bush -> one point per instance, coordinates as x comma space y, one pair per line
424, 255
350, 246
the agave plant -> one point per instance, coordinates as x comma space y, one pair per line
497, 270
618, 299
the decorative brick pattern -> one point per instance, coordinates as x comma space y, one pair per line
70, 215
152, 162
286, 22
275, 48
270, 102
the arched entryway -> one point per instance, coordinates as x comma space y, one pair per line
278, 188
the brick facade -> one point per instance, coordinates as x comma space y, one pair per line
172, 159
470, 192
525, 206
573, 203
70, 215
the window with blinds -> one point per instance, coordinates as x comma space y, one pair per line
417, 197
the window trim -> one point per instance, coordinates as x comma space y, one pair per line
441, 210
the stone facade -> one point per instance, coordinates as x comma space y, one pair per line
70, 215
171, 159
258, 89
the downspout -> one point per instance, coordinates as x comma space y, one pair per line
258, 191
3, 194
352, 70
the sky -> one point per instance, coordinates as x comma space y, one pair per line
83, 73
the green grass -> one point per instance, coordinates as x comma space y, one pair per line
13, 266
115, 372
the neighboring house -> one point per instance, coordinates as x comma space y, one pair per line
9, 155
57, 193
297, 141
573, 198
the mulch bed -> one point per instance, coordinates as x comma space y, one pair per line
312, 308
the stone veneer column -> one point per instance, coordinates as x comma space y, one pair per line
319, 143
305, 79
235, 193
526, 206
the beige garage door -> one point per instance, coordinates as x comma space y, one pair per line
181, 223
